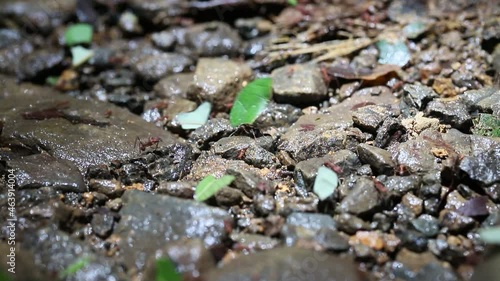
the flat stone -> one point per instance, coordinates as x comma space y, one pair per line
453, 113
175, 85
155, 67
212, 39
370, 117
484, 167
363, 199
282, 264
85, 137
298, 84
218, 81
379, 159
40, 170
149, 220
418, 95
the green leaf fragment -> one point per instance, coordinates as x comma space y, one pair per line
80, 55
74, 267
292, 2
250, 102
490, 235
486, 125
210, 185
393, 53
325, 183
166, 271
80, 33
196, 118
52, 80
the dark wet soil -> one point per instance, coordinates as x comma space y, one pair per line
401, 99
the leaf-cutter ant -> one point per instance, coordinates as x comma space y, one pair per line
150, 142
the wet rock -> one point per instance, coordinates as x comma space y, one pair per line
76, 139
297, 204
412, 240
232, 147
175, 162
57, 173
350, 224
427, 225
436, 272
129, 23
259, 157
9, 37
264, 204
454, 113
254, 242
313, 222
177, 189
175, 85
315, 135
298, 84
256, 45
158, 12
379, 159
190, 256
305, 171
249, 182
455, 222
102, 224
399, 186
213, 130
416, 156
228, 197
218, 81
111, 187
39, 64
363, 199
164, 40
277, 116
415, 261
117, 78
212, 39
40, 16
413, 203
454, 201
11, 56
418, 95
370, 117
287, 263
216, 166
54, 251
148, 220
155, 67
484, 167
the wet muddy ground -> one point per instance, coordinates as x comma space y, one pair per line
399, 98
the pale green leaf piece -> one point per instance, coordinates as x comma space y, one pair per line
210, 185
250, 102
413, 30
393, 53
52, 80
166, 271
80, 33
325, 183
74, 267
490, 235
196, 118
80, 55
292, 2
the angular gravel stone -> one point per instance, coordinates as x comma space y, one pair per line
298, 84
363, 199
379, 159
484, 167
453, 113
155, 67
